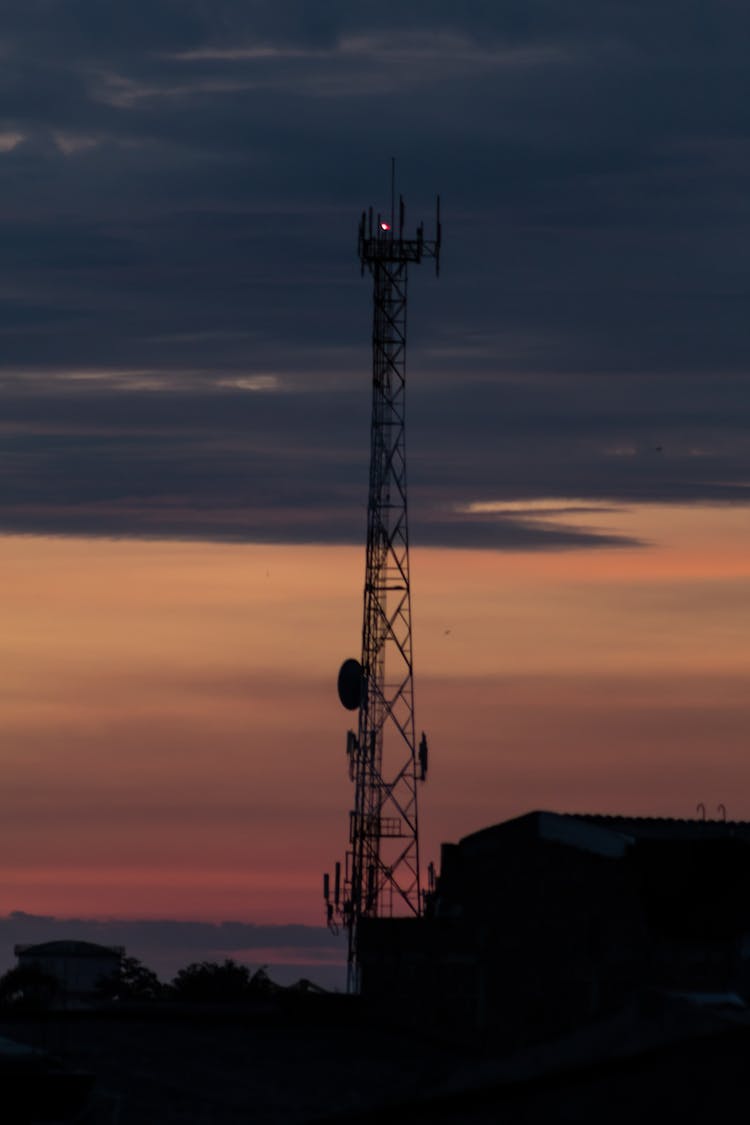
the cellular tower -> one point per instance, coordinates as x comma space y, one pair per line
381, 872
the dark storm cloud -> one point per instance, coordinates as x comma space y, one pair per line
183, 328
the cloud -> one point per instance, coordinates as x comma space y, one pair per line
283, 457
180, 184
9, 141
168, 945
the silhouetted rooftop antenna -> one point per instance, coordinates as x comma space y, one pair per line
382, 874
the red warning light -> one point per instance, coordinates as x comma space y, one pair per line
385, 226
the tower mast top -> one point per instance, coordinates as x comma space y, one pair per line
383, 241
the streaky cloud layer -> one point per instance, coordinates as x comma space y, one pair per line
179, 189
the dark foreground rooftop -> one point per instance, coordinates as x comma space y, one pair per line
664, 1059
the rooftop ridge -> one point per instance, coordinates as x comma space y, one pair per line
618, 824
610, 817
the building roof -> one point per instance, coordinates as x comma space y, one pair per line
608, 836
68, 949
667, 828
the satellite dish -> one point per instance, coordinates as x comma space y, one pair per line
350, 684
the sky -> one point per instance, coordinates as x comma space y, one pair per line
184, 436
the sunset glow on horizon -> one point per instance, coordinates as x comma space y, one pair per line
173, 745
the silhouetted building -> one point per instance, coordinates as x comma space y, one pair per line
77, 966
544, 921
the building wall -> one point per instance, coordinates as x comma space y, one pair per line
527, 936
78, 975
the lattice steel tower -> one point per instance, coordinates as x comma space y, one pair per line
381, 874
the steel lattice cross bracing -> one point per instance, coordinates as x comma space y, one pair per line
382, 873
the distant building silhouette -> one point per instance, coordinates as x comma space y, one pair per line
77, 966
541, 922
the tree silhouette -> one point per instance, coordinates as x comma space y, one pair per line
27, 988
134, 981
213, 983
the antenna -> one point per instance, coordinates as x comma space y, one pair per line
381, 875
